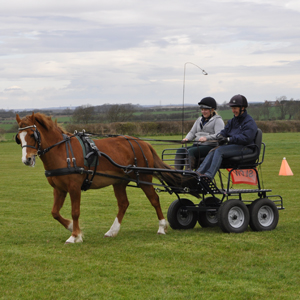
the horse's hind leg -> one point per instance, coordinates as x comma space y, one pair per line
120, 193
154, 200
59, 199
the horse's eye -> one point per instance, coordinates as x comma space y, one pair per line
32, 135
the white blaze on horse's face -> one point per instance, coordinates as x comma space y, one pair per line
28, 160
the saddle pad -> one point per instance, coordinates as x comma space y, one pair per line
93, 160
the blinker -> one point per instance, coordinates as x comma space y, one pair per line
17, 140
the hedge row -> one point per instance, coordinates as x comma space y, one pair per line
170, 127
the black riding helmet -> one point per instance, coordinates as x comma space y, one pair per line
238, 101
208, 102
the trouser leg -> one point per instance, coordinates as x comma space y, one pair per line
213, 160
196, 153
180, 158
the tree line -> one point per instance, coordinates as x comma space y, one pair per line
280, 109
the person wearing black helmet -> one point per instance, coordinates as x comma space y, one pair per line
239, 132
203, 132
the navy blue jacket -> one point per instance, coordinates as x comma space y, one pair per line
241, 130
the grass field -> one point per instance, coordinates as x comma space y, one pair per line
202, 263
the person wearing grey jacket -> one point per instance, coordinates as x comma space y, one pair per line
203, 133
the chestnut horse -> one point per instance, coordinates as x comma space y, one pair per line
39, 135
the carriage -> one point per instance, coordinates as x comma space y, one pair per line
75, 162
223, 205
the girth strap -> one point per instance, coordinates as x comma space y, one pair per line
66, 171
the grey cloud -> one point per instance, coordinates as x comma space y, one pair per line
141, 48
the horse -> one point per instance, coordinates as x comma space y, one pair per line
39, 135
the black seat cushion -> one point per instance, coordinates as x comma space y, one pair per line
247, 160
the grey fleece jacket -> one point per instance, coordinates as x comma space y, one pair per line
210, 130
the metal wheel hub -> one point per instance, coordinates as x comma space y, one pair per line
212, 217
236, 217
184, 216
265, 216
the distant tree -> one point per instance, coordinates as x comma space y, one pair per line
266, 109
293, 108
67, 111
255, 112
281, 105
83, 114
6, 113
119, 113
223, 106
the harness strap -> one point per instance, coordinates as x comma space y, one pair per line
145, 158
126, 138
136, 140
66, 171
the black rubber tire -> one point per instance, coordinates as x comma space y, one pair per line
263, 215
233, 216
206, 218
179, 217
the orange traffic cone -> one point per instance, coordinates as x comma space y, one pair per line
285, 169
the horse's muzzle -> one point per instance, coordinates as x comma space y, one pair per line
30, 161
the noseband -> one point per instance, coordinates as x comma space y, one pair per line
37, 137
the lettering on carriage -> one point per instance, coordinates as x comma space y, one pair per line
244, 173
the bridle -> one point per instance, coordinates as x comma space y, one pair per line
37, 137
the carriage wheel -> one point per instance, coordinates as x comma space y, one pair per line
263, 215
179, 217
209, 218
233, 216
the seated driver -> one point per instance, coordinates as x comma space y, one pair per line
239, 132
203, 132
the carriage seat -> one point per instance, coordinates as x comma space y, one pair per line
248, 160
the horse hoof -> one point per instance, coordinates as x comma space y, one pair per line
72, 239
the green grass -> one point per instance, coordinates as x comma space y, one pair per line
202, 263
7, 123
226, 114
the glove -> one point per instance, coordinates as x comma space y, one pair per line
222, 140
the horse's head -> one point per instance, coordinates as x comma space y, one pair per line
29, 138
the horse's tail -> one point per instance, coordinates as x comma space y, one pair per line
173, 179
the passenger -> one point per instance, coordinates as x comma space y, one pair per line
204, 132
239, 132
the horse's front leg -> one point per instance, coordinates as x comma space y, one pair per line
120, 193
59, 199
76, 236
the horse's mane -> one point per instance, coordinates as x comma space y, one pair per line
46, 122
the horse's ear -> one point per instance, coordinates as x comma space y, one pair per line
18, 119
32, 117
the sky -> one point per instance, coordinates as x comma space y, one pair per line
92, 52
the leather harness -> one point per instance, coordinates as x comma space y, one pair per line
91, 157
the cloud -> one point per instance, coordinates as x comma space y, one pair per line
73, 53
